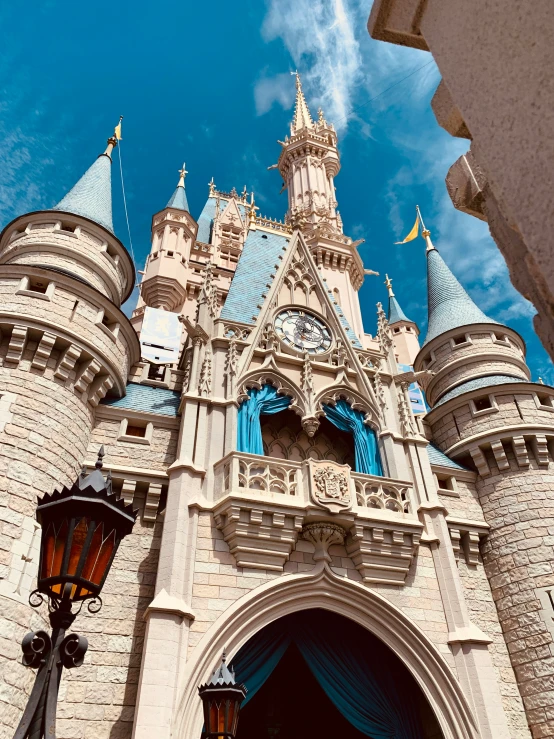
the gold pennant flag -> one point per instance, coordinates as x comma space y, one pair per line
413, 233
118, 130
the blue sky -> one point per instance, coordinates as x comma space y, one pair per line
209, 83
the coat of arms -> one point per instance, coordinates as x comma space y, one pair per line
330, 485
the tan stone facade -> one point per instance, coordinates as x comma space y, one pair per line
444, 556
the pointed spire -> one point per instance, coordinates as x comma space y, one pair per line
449, 305
302, 117
91, 196
179, 197
395, 312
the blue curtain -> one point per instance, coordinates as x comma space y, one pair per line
345, 418
260, 402
361, 677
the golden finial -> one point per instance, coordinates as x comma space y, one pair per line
388, 283
541, 381
211, 185
114, 138
182, 174
426, 234
298, 83
320, 117
244, 194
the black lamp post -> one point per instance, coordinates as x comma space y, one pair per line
221, 699
82, 528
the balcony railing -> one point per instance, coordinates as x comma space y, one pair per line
238, 472
382, 493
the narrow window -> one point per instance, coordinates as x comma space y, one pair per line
139, 431
482, 404
459, 340
37, 285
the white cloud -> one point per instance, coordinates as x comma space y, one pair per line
319, 34
271, 90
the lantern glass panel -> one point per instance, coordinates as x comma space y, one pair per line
53, 550
99, 555
77, 543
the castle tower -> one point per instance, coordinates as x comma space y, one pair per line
404, 331
167, 269
64, 344
309, 162
487, 414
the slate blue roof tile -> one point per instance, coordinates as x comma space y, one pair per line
178, 199
396, 313
91, 196
439, 458
147, 399
449, 305
254, 271
477, 384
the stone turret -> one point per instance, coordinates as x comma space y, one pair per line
404, 330
487, 414
64, 344
167, 269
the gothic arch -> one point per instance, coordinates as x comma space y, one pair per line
322, 589
330, 396
258, 377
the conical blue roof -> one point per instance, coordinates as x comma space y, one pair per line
179, 199
396, 313
449, 305
91, 197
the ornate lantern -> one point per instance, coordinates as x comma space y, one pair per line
221, 698
82, 527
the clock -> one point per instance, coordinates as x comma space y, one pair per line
303, 331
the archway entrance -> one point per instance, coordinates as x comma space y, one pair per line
315, 673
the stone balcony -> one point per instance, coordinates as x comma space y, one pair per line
262, 504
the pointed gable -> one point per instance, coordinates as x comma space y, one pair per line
91, 196
449, 305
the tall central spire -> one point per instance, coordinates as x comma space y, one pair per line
302, 117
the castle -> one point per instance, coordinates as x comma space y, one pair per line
291, 503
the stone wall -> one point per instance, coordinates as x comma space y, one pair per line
519, 558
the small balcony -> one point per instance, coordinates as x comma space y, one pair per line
262, 503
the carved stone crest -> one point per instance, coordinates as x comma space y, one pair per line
330, 485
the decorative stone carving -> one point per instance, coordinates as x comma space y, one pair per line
269, 340
382, 552
323, 535
379, 390
259, 536
310, 425
404, 412
205, 382
330, 485
383, 329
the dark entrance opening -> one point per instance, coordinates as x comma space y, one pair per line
292, 704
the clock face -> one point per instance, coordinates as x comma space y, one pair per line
303, 331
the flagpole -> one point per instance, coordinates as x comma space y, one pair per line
425, 234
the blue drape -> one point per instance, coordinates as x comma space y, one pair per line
360, 676
345, 418
260, 402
